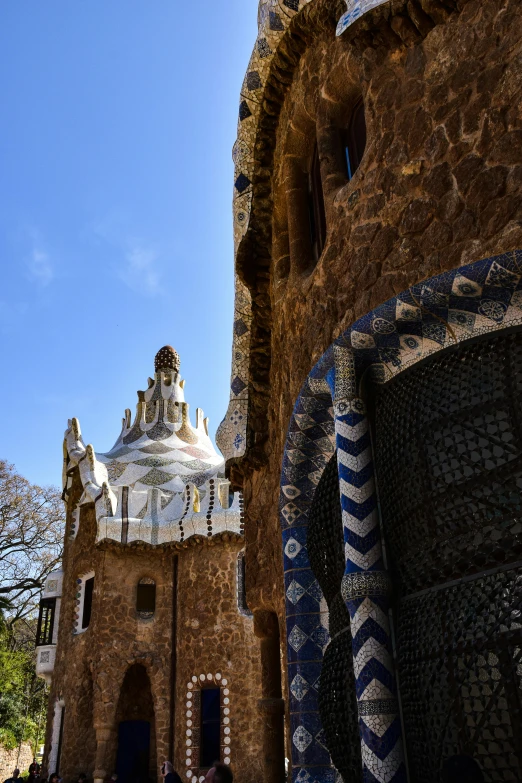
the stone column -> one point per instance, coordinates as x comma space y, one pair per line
272, 705
103, 740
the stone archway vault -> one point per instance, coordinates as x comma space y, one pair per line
479, 298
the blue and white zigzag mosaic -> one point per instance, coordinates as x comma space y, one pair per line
476, 299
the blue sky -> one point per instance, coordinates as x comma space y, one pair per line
117, 124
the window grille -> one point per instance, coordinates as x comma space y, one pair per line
44, 631
448, 449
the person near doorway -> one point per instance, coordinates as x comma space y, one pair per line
16, 777
34, 770
219, 773
461, 769
169, 774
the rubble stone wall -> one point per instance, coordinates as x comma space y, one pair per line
9, 759
440, 185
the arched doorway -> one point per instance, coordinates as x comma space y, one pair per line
136, 756
458, 630
448, 459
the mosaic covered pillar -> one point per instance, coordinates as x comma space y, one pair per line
309, 447
366, 584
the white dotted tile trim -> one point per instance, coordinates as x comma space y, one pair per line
192, 753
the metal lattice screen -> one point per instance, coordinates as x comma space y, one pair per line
337, 701
448, 449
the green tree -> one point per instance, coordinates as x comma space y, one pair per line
31, 536
23, 696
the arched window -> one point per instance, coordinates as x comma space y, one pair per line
355, 139
316, 207
146, 598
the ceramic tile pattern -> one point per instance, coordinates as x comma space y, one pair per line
274, 17
162, 481
355, 9
479, 298
193, 722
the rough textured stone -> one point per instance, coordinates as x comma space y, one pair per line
9, 759
439, 186
91, 667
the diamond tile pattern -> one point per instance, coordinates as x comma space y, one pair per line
457, 449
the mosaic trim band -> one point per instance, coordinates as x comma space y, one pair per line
193, 721
274, 19
476, 299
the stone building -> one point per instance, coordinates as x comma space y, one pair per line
375, 419
145, 635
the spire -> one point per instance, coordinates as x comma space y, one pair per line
167, 359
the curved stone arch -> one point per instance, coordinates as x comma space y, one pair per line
477, 299
277, 21
110, 689
107, 688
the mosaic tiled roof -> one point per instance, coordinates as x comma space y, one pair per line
163, 479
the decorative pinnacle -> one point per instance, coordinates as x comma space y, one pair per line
167, 359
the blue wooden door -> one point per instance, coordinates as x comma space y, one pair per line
132, 765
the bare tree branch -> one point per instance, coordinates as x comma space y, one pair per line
32, 523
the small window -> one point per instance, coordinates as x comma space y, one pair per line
241, 588
316, 207
210, 743
87, 602
45, 628
146, 598
355, 140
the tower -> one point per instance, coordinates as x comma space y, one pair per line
373, 424
144, 635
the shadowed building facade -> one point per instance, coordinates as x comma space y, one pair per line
374, 431
145, 635
374, 426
